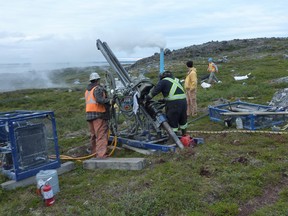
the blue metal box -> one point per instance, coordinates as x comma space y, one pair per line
28, 139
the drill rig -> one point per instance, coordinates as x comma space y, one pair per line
142, 122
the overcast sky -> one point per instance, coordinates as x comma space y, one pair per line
66, 30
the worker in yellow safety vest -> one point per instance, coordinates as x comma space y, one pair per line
212, 69
175, 101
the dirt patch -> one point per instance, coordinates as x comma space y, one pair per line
204, 171
269, 196
79, 151
160, 161
241, 159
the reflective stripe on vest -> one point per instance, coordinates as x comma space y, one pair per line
91, 104
175, 84
182, 127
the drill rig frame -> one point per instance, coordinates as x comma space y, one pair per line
143, 123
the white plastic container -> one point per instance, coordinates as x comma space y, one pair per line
239, 123
45, 174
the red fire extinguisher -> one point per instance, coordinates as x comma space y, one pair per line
40, 184
47, 193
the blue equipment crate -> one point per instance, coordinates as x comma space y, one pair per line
251, 121
28, 139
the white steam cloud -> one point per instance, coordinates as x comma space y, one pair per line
130, 41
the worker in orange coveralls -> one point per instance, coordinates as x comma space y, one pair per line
97, 115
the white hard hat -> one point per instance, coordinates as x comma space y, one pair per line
94, 76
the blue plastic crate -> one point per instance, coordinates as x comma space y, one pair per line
250, 122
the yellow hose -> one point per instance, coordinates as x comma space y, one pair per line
67, 157
114, 147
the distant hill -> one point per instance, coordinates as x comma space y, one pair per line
237, 48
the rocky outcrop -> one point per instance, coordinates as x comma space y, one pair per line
245, 48
280, 99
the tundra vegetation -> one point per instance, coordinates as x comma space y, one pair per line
230, 174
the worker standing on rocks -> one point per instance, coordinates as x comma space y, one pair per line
97, 115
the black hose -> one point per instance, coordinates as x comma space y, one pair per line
202, 116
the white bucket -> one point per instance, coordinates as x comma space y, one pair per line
45, 174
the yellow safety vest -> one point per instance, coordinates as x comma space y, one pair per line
175, 84
211, 67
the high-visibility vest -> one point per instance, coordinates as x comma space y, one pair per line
175, 84
91, 104
211, 67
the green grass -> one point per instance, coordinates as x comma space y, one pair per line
216, 178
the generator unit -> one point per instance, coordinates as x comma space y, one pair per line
28, 143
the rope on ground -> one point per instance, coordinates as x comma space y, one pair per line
238, 131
